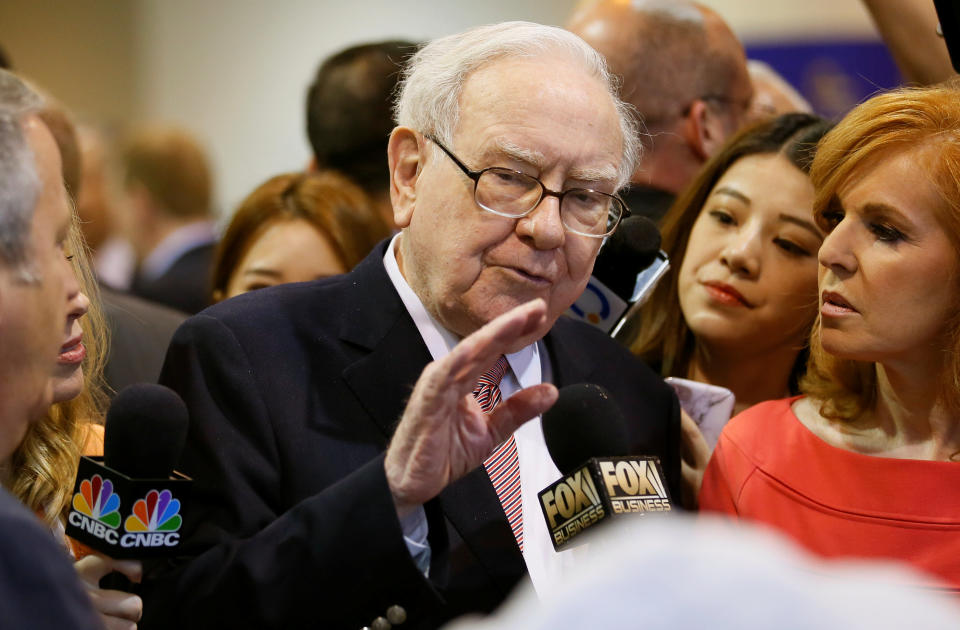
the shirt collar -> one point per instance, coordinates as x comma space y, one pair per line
524, 364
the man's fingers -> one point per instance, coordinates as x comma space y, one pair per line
478, 351
93, 567
519, 408
125, 606
132, 569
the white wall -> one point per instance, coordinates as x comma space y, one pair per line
236, 73
762, 20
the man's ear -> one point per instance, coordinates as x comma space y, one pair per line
703, 130
312, 166
405, 155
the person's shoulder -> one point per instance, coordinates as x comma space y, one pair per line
126, 310
92, 439
38, 586
585, 353
760, 430
277, 303
574, 331
763, 413
23, 538
316, 301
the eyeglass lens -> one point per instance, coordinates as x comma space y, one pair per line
514, 194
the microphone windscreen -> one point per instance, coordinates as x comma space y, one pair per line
585, 422
145, 431
630, 250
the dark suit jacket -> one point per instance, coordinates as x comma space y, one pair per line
140, 332
646, 201
185, 286
38, 587
294, 393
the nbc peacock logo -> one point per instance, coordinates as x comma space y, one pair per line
157, 512
96, 500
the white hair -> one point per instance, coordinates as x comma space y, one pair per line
429, 93
19, 182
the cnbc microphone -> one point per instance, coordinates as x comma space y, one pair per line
129, 504
585, 422
627, 270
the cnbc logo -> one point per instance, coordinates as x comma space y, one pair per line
157, 512
154, 522
97, 505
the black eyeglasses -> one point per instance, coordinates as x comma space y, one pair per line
513, 194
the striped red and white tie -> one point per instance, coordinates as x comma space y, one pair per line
503, 465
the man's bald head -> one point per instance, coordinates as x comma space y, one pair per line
667, 52
682, 68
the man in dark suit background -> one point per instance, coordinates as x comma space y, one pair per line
167, 180
337, 451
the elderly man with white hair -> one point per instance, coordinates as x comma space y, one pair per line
38, 587
347, 475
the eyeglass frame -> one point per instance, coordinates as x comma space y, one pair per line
544, 192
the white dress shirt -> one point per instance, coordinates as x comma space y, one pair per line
528, 366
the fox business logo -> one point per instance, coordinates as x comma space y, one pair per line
634, 485
571, 505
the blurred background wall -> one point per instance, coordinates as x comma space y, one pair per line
235, 72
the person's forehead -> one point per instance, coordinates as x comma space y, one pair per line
540, 109
52, 208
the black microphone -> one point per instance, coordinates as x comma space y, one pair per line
627, 269
586, 435
130, 503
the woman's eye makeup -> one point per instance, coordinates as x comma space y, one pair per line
886, 233
791, 247
722, 216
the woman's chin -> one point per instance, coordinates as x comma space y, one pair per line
67, 386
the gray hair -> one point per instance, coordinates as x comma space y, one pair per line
19, 182
428, 99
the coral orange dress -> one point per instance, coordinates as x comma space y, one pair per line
769, 467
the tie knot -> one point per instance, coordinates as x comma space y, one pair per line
494, 375
487, 390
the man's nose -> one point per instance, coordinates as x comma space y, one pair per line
543, 225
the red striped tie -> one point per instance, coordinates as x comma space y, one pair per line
503, 465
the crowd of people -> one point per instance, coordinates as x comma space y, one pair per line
367, 347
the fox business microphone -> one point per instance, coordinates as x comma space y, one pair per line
128, 504
583, 422
627, 269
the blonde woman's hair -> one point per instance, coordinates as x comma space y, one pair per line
44, 465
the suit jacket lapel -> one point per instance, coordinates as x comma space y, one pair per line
472, 506
376, 319
570, 362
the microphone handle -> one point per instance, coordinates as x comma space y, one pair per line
646, 282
